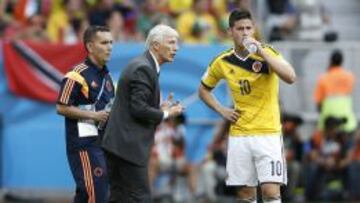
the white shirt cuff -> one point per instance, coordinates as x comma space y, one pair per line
166, 115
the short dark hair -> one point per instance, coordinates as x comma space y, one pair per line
91, 31
336, 58
334, 122
238, 14
286, 117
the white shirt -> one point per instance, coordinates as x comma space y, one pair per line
166, 113
156, 62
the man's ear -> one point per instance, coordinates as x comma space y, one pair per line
228, 31
156, 45
89, 46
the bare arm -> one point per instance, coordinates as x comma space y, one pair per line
207, 96
76, 113
279, 65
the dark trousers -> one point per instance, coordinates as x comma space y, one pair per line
129, 183
88, 168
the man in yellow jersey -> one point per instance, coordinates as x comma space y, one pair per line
255, 149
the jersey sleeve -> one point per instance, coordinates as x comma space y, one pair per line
212, 75
273, 52
72, 86
70, 90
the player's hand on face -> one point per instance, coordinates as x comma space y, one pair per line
101, 116
253, 40
231, 115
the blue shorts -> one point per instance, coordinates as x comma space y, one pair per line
89, 170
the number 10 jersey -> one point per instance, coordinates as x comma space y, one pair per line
254, 90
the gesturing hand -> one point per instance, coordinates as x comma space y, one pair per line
168, 102
176, 109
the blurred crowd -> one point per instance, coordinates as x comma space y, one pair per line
198, 21
322, 168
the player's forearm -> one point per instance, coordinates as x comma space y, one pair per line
281, 67
74, 112
209, 99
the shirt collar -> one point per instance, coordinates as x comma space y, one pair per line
89, 62
156, 62
239, 57
335, 67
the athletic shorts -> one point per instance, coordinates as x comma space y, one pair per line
255, 159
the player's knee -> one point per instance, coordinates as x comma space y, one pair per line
246, 194
270, 190
271, 193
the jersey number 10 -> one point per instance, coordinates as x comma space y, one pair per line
245, 88
276, 168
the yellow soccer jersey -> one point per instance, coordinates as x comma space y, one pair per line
254, 89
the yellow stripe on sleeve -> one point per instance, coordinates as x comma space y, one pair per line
80, 79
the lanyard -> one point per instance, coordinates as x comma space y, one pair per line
92, 107
101, 91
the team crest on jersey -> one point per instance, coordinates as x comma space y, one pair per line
109, 86
94, 84
98, 172
256, 66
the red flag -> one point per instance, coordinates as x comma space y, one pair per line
35, 70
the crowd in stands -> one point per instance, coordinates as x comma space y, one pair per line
198, 21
